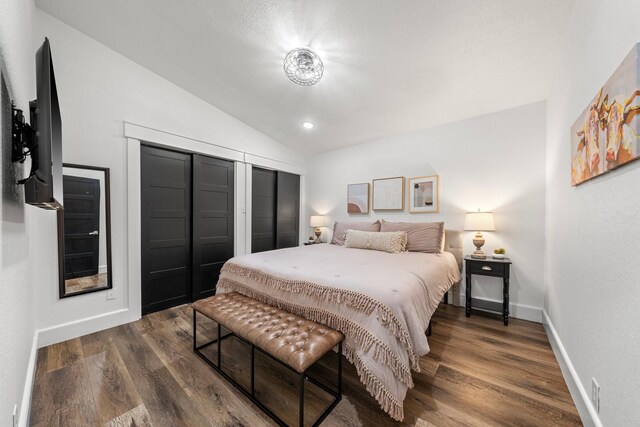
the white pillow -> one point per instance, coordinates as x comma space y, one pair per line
393, 242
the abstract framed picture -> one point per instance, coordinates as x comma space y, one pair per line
358, 198
424, 194
607, 133
388, 194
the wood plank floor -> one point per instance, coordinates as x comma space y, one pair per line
479, 373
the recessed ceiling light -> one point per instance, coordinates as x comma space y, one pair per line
307, 125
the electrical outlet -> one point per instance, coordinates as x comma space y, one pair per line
111, 294
15, 415
595, 394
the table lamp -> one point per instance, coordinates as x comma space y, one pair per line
318, 221
479, 222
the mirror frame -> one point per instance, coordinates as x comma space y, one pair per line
60, 218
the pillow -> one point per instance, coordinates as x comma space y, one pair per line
393, 242
425, 237
340, 230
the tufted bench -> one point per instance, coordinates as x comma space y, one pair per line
295, 342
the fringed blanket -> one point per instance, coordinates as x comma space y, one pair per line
381, 302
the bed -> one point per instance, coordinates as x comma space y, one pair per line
381, 302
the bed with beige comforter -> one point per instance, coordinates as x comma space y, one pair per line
381, 302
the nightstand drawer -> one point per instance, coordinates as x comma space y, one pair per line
486, 268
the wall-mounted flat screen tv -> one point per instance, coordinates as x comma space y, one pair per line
43, 188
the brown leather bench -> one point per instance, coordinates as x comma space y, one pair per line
295, 342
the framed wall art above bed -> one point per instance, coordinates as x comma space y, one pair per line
424, 194
358, 198
388, 194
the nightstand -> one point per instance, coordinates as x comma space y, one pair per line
489, 267
312, 243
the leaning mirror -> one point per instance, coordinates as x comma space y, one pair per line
84, 231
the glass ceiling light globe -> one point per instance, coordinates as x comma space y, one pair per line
303, 66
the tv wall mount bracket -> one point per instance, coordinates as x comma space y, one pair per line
24, 137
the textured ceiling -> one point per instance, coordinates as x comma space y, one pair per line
391, 67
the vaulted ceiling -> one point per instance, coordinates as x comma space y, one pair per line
391, 67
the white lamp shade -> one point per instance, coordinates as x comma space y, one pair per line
318, 221
479, 221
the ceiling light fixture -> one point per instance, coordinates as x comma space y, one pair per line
307, 125
303, 66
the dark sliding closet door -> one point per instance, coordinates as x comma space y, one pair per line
275, 210
212, 221
187, 225
287, 210
263, 210
166, 228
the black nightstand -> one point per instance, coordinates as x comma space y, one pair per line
312, 243
489, 267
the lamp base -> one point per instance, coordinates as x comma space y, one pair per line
478, 255
318, 232
478, 242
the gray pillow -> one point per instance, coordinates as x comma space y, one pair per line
425, 237
340, 230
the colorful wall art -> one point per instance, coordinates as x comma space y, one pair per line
606, 134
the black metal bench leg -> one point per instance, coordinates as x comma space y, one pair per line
302, 399
253, 370
340, 369
194, 330
429, 329
219, 346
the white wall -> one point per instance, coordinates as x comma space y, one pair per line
493, 162
99, 90
592, 277
20, 224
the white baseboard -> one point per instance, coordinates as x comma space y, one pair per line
587, 412
518, 311
25, 405
77, 328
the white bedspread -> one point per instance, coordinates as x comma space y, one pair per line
381, 302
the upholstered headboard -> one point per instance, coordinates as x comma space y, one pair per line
453, 244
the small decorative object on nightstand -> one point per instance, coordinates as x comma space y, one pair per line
493, 268
479, 222
499, 253
318, 221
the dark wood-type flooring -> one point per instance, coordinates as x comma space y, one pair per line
479, 373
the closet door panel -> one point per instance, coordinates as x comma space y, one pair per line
287, 210
212, 221
166, 228
263, 210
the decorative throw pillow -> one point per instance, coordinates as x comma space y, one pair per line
340, 230
425, 237
393, 242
